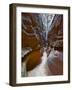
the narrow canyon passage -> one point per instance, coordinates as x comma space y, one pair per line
51, 65
42, 44
42, 69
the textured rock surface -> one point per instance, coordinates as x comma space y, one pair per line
55, 36
36, 34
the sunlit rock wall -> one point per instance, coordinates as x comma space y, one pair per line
55, 36
37, 30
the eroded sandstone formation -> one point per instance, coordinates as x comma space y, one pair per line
55, 35
33, 36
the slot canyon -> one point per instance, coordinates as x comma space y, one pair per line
42, 44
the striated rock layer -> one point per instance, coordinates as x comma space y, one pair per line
37, 34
